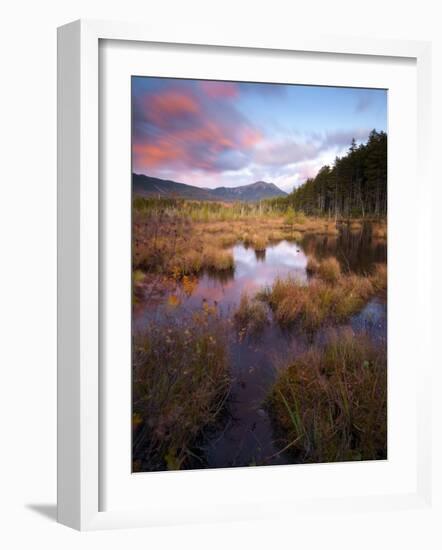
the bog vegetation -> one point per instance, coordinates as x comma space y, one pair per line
330, 404
180, 386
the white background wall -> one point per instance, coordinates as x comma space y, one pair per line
28, 267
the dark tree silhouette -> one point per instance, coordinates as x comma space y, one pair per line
355, 186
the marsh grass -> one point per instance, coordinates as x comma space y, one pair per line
329, 270
181, 382
323, 404
320, 226
379, 231
257, 242
312, 265
330, 404
329, 298
167, 244
179, 238
217, 259
379, 278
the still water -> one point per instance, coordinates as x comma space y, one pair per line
246, 437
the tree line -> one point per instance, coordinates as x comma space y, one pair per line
355, 186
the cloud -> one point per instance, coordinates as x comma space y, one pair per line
285, 151
195, 132
192, 128
215, 89
343, 138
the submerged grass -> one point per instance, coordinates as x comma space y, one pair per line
181, 381
330, 404
251, 317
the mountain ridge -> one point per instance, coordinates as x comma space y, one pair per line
148, 186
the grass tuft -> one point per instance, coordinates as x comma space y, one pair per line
321, 302
251, 316
329, 270
217, 259
312, 265
330, 404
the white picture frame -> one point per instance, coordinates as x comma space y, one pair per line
79, 293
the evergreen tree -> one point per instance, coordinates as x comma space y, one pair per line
355, 186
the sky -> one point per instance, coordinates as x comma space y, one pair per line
216, 133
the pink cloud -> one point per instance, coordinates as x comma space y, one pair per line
180, 128
216, 90
167, 108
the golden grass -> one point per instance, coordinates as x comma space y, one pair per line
328, 299
277, 235
178, 249
170, 243
329, 270
257, 241
312, 265
295, 236
217, 259
330, 404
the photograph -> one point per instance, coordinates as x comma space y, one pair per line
259, 274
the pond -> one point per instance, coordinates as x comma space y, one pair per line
246, 437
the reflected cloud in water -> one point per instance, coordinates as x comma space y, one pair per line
252, 272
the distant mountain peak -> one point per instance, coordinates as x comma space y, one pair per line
149, 186
263, 185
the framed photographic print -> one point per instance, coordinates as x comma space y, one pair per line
233, 276
259, 300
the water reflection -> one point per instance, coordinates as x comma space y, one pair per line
355, 250
260, 255
250, 275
